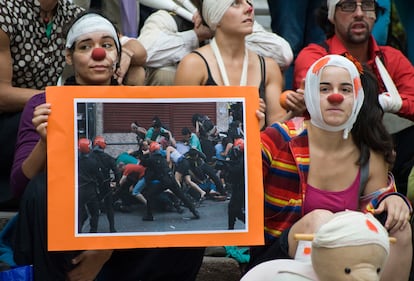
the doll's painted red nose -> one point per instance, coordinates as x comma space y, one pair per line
98, 54
250, 9
335, 98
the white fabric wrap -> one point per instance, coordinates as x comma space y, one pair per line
312, 94
269, 44
213, 11
351, 228
331, 9
91, 23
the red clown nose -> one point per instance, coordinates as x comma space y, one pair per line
98, 54
335, 98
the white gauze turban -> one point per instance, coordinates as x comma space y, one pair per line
312, 94
213, 11
331, 9
91, 23
351, 228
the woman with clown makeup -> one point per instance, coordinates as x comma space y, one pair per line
94, 50
338, 159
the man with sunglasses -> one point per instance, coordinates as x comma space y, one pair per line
348, 25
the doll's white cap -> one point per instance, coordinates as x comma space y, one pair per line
351, 228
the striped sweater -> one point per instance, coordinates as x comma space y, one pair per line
285, 157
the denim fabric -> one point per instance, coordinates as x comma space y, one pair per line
380, 29
295, 22
139, 186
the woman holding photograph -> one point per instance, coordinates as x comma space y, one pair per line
94, 50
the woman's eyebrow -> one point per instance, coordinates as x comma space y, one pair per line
342, 84
103, 37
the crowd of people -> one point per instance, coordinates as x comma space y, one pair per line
343, 142
161, 171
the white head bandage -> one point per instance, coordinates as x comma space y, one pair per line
312, 93
351, 228
213, 11
91, 23
331, 9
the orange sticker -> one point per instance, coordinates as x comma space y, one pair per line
307, 250
371, 226
357, 85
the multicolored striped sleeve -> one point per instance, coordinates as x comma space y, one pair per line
370, 202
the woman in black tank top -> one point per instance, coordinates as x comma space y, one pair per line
226, 60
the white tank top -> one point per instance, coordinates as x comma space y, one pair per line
175, 156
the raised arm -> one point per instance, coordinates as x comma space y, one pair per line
133, 58
166, 45
12, 99
273, 89
381, 196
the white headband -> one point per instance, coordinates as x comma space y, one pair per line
312, 94
91, 23
213, 11
351, 228
331, 9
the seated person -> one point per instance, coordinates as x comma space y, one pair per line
168, 37
339, 159
91, 38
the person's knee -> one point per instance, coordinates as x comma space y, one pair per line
403, 237
313, 220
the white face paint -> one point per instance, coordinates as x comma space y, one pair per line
90, 68
114, 57
371, 15
313, 98
90, 23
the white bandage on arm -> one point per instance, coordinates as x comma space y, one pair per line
391, 100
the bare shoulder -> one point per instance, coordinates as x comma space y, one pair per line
192, 59
191, 70
377, 160
272, 66
197, 55
378, 172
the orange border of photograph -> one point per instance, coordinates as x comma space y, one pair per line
61, 169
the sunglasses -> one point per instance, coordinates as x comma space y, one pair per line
352, 5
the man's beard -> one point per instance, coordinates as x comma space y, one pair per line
360, 38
